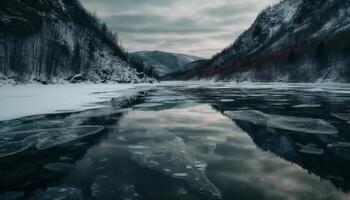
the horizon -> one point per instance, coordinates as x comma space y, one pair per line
208, 28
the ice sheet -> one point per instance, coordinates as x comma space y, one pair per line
290, 123
60, 193
106, 188
16, 142
167, 153
28, 100
310, 149
342, 116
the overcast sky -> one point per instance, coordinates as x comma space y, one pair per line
197, 27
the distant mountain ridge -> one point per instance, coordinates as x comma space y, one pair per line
293, 41
165, 62
57, 41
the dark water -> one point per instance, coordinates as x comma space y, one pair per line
186, 142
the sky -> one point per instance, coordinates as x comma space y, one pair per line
195, 27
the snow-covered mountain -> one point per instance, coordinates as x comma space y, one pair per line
165, 62
59, 41
292, 41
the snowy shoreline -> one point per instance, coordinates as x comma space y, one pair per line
28, 100
36, 99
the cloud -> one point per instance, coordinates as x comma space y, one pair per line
200, 27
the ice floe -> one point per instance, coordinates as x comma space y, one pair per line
16, 142
106, 188
148, 105
59, 167
339, 145
227, 100
342, 116
13, 195
298, 124
307, 106
182, 191
310, 149
167, 153
59, 193
209, 141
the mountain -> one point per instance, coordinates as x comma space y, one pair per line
186, 70
292, 41
164, 62
59, 41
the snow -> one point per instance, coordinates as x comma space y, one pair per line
288, 9
27, 100
166, 62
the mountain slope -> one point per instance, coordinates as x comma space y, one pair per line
165, 62
56, 41
293, 41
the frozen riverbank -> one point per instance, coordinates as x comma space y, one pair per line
27, 100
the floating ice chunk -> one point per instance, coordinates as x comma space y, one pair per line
121, 138
167, 170
35, 125
298, 124
102, 188
180, 175
59, 167
342, 116
103, 160
310, 149
307, 106
210, 141
138, 147
182, 191
148, 105
339, 144
13, 195
105, 188
59, 193
227, 100
55, 137
200, 165
164, 151
16, 142
12, 148
66, 158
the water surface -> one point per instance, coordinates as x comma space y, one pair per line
189, 141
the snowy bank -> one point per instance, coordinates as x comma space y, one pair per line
27, 100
